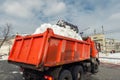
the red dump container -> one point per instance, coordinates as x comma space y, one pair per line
48, 49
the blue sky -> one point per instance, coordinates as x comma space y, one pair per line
26, 15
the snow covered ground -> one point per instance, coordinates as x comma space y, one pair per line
4, 50
3, 57
113, 58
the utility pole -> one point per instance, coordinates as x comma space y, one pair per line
102, 29
94, 31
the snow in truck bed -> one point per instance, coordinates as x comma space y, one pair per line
67, 32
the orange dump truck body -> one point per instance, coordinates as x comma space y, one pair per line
48, 49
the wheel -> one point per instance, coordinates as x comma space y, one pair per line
77, 73
95, 68
65, 75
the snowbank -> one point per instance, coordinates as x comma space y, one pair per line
109, 55
4, 50
67, 32
110, 58
3, 57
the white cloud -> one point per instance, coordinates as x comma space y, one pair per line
115, 16
16, 9
21, 8
33, 5
26, 8
54, 8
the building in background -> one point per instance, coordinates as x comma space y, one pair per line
110, 45
117, 46
99, 38
107, 45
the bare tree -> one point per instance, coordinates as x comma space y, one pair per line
5, 33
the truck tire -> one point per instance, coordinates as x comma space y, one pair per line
77, 73
65, 75
95, 68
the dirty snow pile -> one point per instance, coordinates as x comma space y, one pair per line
110, 58
4, 50
67, 32
3, 57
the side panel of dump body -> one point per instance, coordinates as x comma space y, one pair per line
28, 49
48, 49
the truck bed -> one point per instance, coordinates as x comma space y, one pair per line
48, 49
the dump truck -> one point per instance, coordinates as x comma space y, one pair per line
49, 56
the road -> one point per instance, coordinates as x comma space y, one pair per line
9, 71
106, 72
